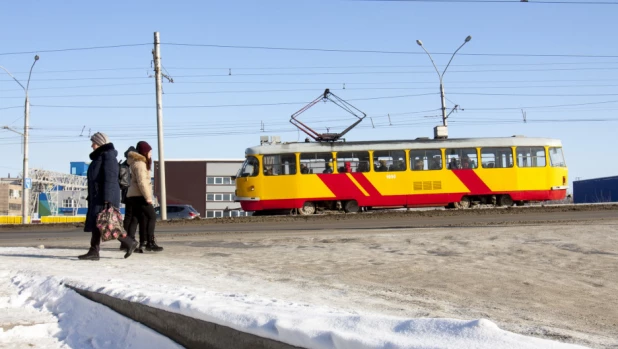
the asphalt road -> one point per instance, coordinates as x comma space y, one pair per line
33, 235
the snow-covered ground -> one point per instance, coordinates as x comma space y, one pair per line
38, 311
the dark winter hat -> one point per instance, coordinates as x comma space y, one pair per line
143, 148
99, 139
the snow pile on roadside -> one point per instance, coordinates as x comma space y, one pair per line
33, 284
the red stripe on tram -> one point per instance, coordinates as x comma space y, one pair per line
472, 181
367, 185
341, 186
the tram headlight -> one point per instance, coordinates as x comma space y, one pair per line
252, 188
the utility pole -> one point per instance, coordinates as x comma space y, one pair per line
26, 182
157, 64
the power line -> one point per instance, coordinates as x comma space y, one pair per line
310, 67
384, 52
507, 2
331, 83
74, 49
545, 106
349, 89
325, 73
216, 106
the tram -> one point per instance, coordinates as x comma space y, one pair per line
305, 177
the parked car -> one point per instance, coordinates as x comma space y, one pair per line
178, 212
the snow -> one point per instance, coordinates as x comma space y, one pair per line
38, 311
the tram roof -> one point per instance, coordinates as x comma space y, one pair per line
423, 143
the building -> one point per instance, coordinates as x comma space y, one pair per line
10, 197
596, 190
206, 185
79, 168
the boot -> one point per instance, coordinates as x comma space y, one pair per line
92, 255
131, 249
152, 246
141, 248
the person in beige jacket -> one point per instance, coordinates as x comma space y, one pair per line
139, 195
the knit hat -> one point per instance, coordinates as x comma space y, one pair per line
143, 148
99, 139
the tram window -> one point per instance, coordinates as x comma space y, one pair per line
389, 160
530, 157
280, 164
556, 158
357, 161
250, 168
425, 159
461, 158
496, 157
316, 162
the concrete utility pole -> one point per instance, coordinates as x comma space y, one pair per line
157, 63
25, 182
441, 75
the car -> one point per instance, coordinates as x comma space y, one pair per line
178, 212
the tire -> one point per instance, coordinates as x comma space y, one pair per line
505, 200
351, 206
308, 209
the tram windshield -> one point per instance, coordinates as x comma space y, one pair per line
250, 168
556, 157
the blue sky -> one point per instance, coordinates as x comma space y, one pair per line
522, 56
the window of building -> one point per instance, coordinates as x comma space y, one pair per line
461, 158
496, 157
556, 158
352, 161
69, 203
316, 163
228, 213
219, 197
281, 164
530, 156
250, 168
219, 180
425, 159
389, 160
14, 194
15, 207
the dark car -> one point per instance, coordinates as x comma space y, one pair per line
179, 212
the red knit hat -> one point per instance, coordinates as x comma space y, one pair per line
143, 148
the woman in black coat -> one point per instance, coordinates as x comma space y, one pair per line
103, 188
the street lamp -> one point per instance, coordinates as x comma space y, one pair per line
442, 132
25, 180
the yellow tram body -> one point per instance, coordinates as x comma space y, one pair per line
416, 173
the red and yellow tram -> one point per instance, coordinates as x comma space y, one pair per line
456, 173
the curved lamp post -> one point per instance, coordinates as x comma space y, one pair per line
441, 75
24, 191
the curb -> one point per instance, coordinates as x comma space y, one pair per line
186, 331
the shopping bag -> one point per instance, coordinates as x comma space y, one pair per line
109, 222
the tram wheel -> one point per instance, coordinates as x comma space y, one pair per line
463, 204
519, 203
307, 209
505, 200
351, 206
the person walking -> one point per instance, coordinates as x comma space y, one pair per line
139, 196
128, 209
103, 189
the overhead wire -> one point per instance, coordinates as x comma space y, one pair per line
386, 52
